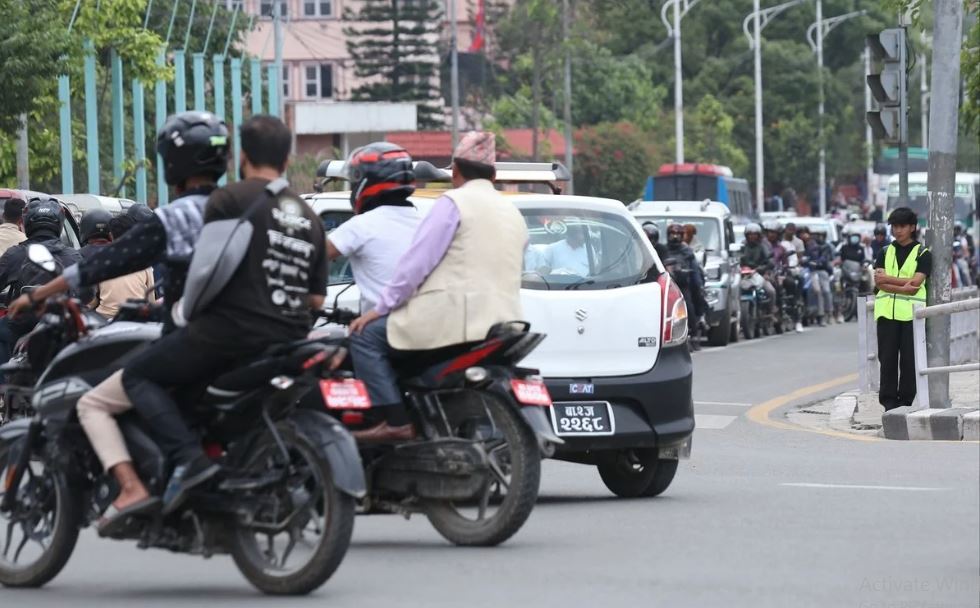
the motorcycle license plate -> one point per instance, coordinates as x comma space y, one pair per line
529, 392
583, 418
345, 394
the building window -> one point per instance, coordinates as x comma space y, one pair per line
234, 4
286, 71
317, 8
265, 7
318, 80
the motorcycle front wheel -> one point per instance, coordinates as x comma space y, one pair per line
39, 534
748, 320
505, 502
301, 531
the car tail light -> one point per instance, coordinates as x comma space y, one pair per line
675, 312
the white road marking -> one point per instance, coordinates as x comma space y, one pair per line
860, 487
712, 421
727, 403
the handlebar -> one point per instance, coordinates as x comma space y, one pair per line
340, 316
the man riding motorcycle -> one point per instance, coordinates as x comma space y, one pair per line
784, 260
464, 268
166, 236
757, 257
653, 233
379, 234
880, 241
689, 278
94, 230
820, 259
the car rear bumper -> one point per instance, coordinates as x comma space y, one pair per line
652, 410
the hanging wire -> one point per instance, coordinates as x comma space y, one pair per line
190, 25
231, 30
74, 14
146, 19
170, 28
207, 38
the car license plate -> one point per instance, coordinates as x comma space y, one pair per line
345, 394
580, 418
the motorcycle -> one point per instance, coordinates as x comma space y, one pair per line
482, 426
284, 508
754, 303
852, 284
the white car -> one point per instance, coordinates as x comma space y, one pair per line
615, 358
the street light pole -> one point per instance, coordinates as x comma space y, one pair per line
760, 18
815, 35
869, 142
454, 71
674, 31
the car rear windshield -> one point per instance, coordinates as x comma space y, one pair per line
578, 249
340, 270
708, 230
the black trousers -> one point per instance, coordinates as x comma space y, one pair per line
176, 360
896, 356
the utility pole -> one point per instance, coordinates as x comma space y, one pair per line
815, 35
23, 169
943, 126
674, 32
760, 18
869, 142
924, 101
569, 157
454, 70
277, 34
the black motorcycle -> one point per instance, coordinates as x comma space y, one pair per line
853, 284
283, 509
482, 426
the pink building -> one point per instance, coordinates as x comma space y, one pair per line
318, 75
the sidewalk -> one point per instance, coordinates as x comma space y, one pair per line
861, 414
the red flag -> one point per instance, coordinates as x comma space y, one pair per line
479, 30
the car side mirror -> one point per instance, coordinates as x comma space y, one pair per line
40, 256
734, 248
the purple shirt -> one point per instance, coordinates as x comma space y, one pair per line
431, 242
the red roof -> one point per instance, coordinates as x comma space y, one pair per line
437, 145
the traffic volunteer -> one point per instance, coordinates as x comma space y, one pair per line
901, 269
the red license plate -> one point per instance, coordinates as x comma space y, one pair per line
345, 394
530, 392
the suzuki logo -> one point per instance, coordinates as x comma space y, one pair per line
581, 314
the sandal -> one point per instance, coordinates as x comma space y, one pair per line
114, 518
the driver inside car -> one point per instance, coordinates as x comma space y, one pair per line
567, 256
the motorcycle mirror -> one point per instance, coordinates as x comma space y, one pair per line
40, 256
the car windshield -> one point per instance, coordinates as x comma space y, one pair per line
708, 234
579, 249
340, 270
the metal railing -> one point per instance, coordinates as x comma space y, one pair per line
964, 348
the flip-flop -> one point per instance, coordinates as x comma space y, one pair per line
113, 518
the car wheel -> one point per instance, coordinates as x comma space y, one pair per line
637, 473
720, 334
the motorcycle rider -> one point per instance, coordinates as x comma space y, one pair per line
880, 241
113, 293
461, 276
12, 228
689, 278
653, 233
167, 236
94, 229
791, 236
852, 249
379, 234
784, 260
820, 255
756, 256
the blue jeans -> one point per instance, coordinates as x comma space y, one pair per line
372, 363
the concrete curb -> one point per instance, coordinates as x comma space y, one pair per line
946, 424
843, 409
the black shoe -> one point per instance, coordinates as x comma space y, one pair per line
186, 477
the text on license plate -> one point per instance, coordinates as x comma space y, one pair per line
583, 418
346, 394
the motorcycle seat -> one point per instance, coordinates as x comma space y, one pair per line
287, 359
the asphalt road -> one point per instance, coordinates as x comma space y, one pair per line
762, 515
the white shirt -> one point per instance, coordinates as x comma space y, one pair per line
374, 242
560, 256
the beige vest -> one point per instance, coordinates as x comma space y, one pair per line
478, 282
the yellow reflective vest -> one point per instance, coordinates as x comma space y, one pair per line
895, 306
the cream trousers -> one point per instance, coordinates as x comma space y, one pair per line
96, 411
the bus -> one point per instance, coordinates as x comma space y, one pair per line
965, 197
696, 182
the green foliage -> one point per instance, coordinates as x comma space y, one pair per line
611, 160
514, 112
607, 88
392, 44
708, 136
31, 57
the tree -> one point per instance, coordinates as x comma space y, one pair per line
394, 46
708, 136
612, 160
31, 56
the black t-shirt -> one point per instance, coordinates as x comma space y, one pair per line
267, 300
924, 264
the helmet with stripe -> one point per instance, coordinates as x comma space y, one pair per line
379, 173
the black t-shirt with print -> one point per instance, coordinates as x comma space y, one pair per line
924, 262
266, 302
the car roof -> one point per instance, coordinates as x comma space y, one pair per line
680, 208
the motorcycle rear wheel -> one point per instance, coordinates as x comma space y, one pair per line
47, 513
522, 461
748, 321
328, 510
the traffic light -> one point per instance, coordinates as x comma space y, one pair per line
889, 86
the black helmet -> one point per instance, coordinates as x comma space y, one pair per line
43, 213
95, 225
881, 229
193, 143
379, 172
139, 212
652, 232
